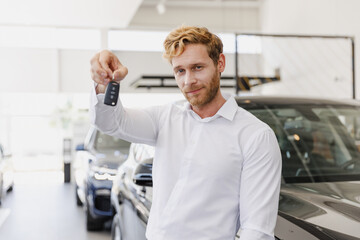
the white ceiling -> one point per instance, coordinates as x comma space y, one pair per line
226, 15
219, 15
69, 13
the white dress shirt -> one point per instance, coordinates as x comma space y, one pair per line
211, 176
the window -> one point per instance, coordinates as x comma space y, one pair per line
45, 37
126, 40
315, 144
106, 142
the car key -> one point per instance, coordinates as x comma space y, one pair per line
112, 93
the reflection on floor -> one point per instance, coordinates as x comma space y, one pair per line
42, 207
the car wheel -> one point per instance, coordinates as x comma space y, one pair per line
91, 223
115, 228
78, 201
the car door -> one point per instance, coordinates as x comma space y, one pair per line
143, 201
143, 194
83, 158
128, 210
136, 204
130, 221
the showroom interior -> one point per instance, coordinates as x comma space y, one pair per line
301, 48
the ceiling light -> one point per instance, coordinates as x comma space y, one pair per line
161, 8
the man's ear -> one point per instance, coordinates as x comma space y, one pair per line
221, 63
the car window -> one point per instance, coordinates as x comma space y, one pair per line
106, 142
351, 120
316, 142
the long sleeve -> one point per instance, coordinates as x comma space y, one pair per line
260, 186
134, 125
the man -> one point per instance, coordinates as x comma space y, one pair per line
216, 168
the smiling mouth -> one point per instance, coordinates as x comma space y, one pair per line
194, 91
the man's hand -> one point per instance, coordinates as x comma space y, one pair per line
105, 65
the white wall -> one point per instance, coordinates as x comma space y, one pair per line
74, 71
319, 17
311, 16
44, 70
308, 66
28, 70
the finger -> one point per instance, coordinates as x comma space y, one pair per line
98, 74
114, 63
106, 60
121, 73
100, 88
96, 77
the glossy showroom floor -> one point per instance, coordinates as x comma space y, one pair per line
42, 207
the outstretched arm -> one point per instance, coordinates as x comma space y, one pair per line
133, 125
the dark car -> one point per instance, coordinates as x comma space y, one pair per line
6, 173
320, 191
95, 166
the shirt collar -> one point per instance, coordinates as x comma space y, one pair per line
227, 111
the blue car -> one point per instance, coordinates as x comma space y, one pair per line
95, 167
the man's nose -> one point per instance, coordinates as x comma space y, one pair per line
190, 78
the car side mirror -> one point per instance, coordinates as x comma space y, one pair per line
143, 174
80, 147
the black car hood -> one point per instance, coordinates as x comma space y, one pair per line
323, 209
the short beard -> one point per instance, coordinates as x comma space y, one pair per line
210, 94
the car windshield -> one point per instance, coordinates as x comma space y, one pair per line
105, 142
318, 143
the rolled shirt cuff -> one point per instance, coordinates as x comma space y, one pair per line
250, 234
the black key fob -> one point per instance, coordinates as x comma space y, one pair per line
112, 93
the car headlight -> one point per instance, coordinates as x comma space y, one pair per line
102, 173
104, 176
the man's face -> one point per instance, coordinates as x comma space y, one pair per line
196, 74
